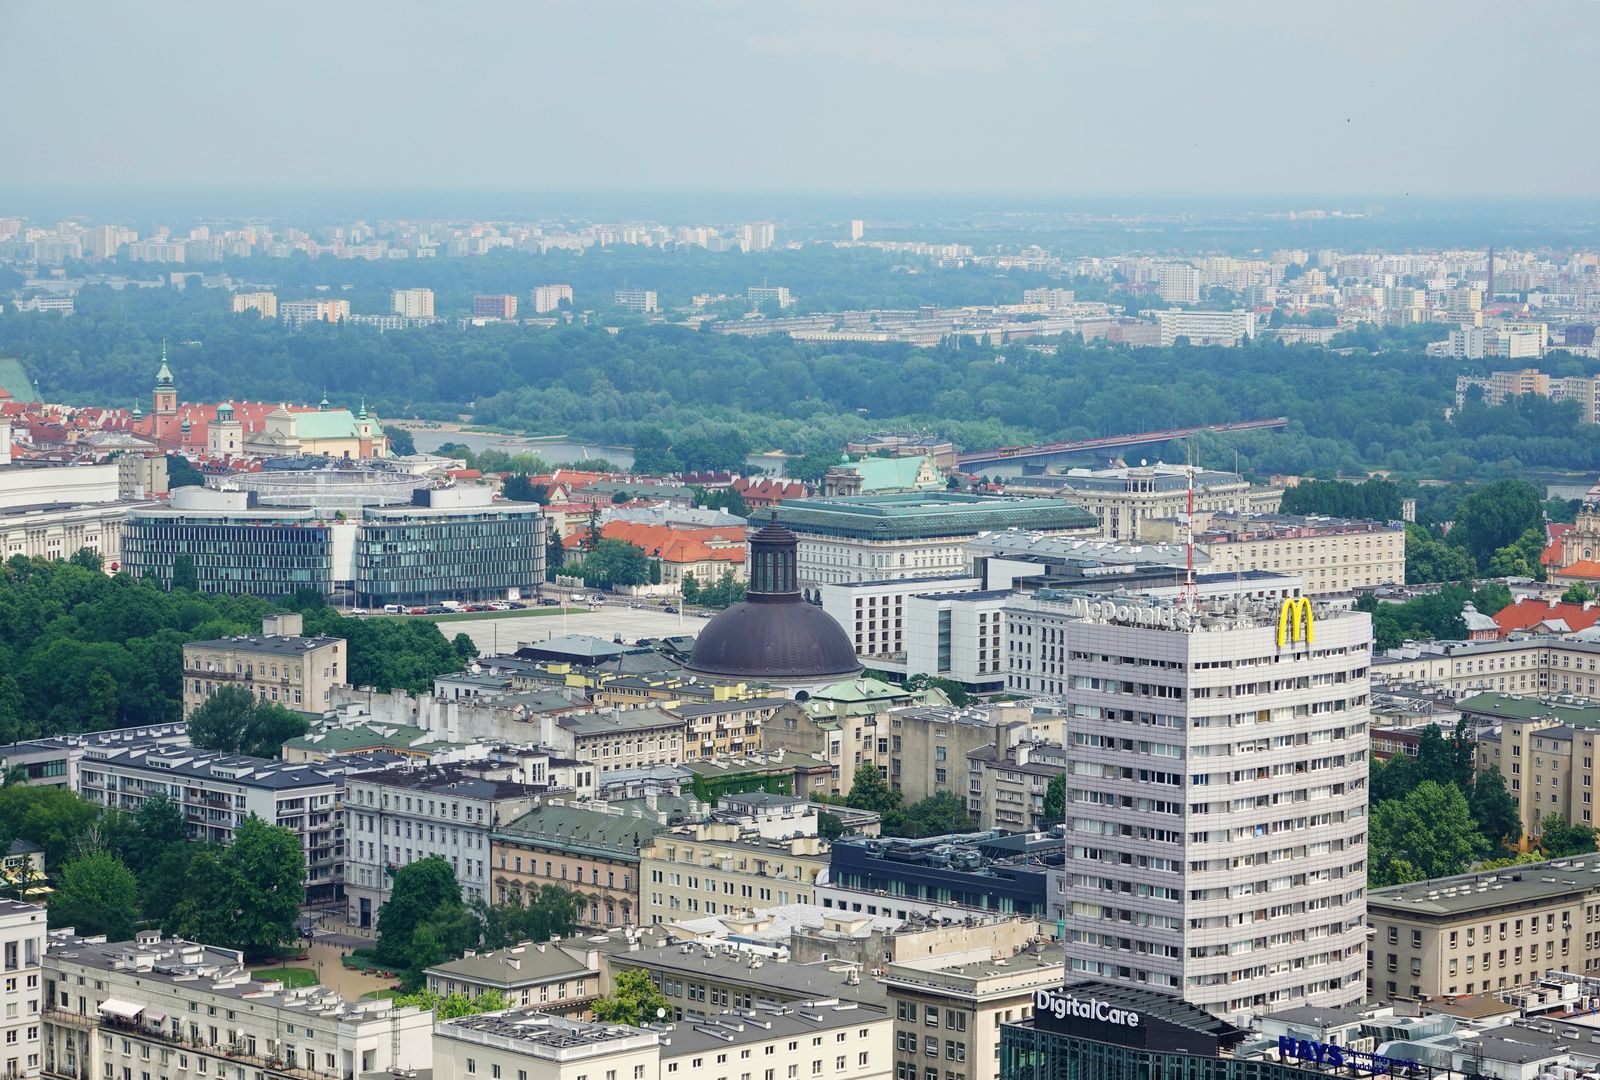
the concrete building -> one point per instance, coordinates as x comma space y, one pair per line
1007, 782
1179, 284
502, 306
1545, 752
1329, 555
718, 729
1160, 702
617, 739
125, 1008
947, 876
264, 304
299, 312
1120, 498
958, 636
878, 537
1533, 666
401, 815
589, 850
22, 944
642, 301
717, 867
770, 295
1206, 327
412, 303
757, 236
217, 792
1482, 933
281, 666
548, 298
873, 613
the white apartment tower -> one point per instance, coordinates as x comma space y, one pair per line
1216, 793
22, 943
413, 303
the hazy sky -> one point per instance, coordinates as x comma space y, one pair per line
1122, 96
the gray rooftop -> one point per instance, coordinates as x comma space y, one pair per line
233, 768
1494, 889
766, 1023
520, 965
266, 644
773, 980
452, 779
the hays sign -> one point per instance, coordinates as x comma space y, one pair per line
1339, 1057
1062, 1006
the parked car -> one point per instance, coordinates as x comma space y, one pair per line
670, 610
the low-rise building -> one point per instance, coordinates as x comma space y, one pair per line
124, 1008
1528, 666
281, 666
398, 816
715, 729
1484, 932
1329, 555
979, 871
616, 739
1122, 497
717, 868
548, 976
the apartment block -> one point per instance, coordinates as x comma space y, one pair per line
299, 312
548, 298
642, 301
1179, 283
503, 306
1330, 556
1205, 327
718, 729
412, 303
264, 304
188, 1011
1006, 785
722, 868
1169, 832
1545, 752
398, 816
281, 666
592, 851
775, 295
1483, 933
22, 946
617, 739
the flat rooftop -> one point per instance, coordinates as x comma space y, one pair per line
1499, 888
813, 982
282, 646
918, 515
766, 1023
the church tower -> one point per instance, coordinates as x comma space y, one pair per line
164, 399
1583, 539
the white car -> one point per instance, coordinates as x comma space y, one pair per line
357, 611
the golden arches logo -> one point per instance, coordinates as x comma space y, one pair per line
1294, 621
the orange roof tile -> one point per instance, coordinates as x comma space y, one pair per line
1588, 569
1525, 614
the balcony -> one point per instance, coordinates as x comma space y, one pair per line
165, 1037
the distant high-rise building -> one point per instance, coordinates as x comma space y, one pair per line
761, 295
547, 298
640, 300
299, 312
264, 304
858, 229
1180, 284
413, 303
502, 306
756, 237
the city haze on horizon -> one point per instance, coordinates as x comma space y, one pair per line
1014, 101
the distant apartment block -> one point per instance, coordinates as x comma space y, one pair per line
1179, 284
503, 306
548, 298
299, 312
1206, 327
1050, 299
858, 229
761, 295
264, 304
1502, 385
757, 237
641, 300
413, 303
164, 251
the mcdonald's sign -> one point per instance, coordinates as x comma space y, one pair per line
1294, 621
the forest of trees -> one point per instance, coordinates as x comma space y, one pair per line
1378, 404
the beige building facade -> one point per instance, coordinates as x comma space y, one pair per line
1328, 555
1123, 497
591, 852
1482, 933
718, 869
1533, 666
280, 666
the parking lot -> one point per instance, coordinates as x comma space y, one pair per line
505, 634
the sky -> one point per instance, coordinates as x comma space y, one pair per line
1358, 97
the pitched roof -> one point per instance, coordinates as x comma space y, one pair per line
1588, 569
1525, 614
1556, 532
680, 545
329, 424
568, 827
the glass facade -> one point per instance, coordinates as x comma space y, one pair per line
232, 557
1029, 1054
403, 557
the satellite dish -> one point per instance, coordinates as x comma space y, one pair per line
661, 1014
1143, 462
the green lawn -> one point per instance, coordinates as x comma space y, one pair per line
460, 616
292, 978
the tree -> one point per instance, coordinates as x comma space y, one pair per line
634, 1000
1494, 516
555, 552
652, 453
96, 894
953, 691
167, 881
148, 832
248, 895
870, 791
812, 467
456, 1005
183, 574
829, 826
690, 588
1560, 839
52, 817
233, 721
102, 692
549, 911
1494, 810
518, 488
616, 562
1578, 593
939, 814
465, 649
400, 441
1425, 834
182, 474
88, 558
422, 891
1055, 800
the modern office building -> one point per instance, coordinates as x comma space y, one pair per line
217, 792
958, 636
1233, 887
189, 1011
412, 303
873, 613
234, 546
280, 665
642, 301
548, 298
399, 816
914, 535
452, 542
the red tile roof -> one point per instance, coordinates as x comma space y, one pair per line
1587, 569
685, 545
1525, 614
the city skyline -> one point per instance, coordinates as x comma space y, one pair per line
1019, 100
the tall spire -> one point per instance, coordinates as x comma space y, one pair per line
322, 406
362, 415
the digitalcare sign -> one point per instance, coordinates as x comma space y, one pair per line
1061, 1006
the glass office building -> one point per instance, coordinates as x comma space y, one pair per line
413, 554
244, 552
